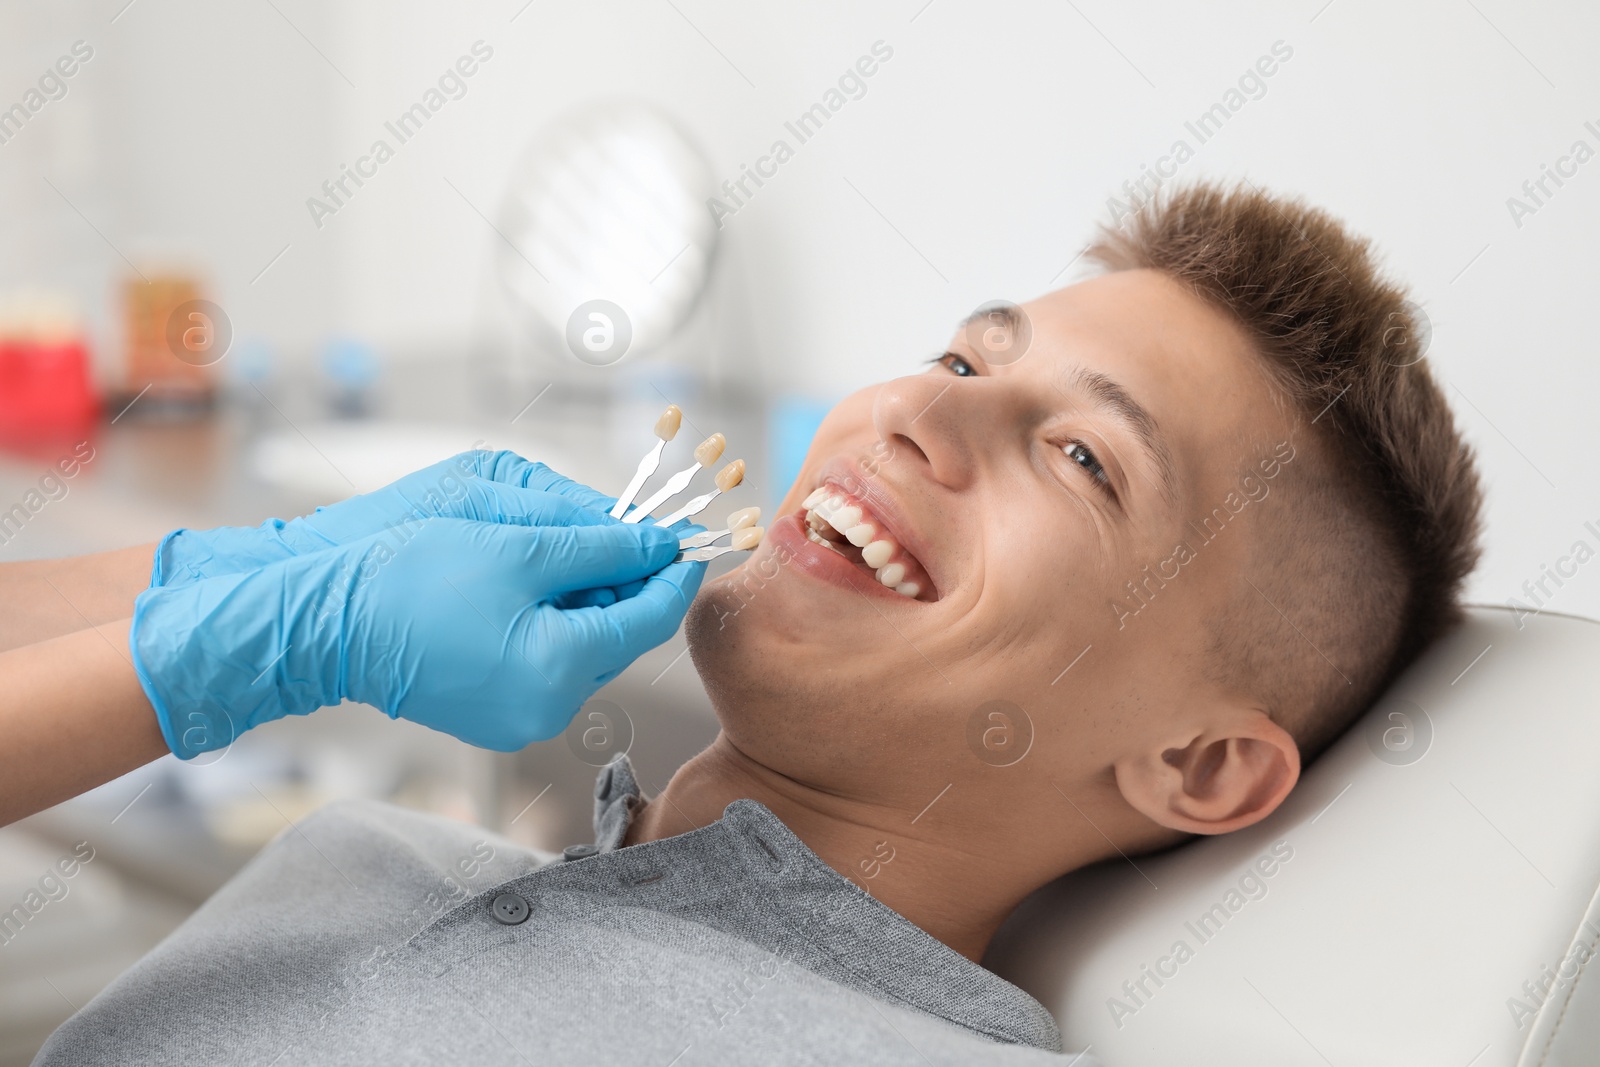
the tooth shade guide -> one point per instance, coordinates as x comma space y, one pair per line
706, 453
709, 451
742, 539
726, 479
731, 475
667, 425
704, 554
741, 522
649, 461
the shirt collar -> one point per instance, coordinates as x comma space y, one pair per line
868, 939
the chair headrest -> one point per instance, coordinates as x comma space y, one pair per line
1426, 894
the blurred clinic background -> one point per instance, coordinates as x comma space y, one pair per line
259, 255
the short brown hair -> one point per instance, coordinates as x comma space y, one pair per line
1364, 568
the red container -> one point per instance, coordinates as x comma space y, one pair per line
45, 386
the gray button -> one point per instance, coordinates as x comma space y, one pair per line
509, 909
579, 852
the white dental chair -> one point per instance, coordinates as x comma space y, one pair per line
1431, 900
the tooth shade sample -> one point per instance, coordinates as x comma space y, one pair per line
749, 537
744, 517
731, 475
667, 425
709, 451
877, 553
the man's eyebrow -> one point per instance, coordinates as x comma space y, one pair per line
1113, 399
1107, 394
1010, 317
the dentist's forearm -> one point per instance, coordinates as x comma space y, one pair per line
72, 716
49, 598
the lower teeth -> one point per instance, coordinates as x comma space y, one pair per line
823, 541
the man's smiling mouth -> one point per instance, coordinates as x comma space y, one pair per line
843, 523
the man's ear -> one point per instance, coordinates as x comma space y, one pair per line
1224, 778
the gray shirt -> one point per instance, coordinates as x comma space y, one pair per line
367, 933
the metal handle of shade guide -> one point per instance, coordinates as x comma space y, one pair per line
701, 555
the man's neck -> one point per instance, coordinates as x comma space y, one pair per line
929, 874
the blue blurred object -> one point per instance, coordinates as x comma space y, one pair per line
352, 367
792, 425
253, 362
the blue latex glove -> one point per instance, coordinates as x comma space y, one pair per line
460, 627
479, 485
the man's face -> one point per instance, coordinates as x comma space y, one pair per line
1019, 497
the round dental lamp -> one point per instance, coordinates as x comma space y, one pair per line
608, 244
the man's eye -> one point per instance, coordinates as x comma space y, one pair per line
1076, 451
957, 365
1081, 454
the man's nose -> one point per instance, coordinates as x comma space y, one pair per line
940, 421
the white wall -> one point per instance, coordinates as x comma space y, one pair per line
990, 141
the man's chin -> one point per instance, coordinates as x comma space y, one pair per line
747, 638
721, 617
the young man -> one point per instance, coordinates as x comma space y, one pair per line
1106, 576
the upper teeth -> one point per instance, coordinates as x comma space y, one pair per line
830, 513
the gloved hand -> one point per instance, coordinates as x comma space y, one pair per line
479, 485
459, 627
